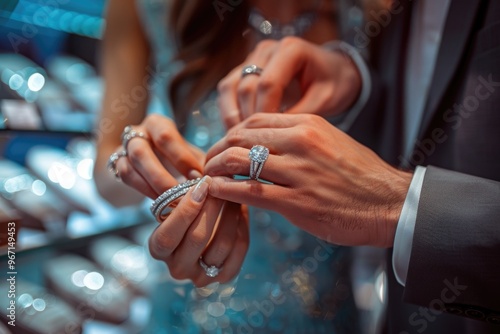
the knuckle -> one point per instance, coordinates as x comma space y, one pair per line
224, 85
231, 160
181, 161
125, 172
290, 41
136, 154
244, 90
197, 240
255, 119
235, 137
164, 138
308, 136
176, 272
161, 244
265, 85
263, 45
221, 250
230, 119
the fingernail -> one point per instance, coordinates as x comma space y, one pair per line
194, 174
201, 190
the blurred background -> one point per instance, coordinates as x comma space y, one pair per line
80, 265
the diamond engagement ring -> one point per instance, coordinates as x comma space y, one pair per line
258, 156
251, 69
210, 271
111, 165
163, 205
129, 133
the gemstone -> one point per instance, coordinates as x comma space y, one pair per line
258, 153
212, 271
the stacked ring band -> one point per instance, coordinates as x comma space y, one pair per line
164, 204
251, 69
113, 158
258, 156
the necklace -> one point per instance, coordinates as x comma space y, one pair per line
276, 30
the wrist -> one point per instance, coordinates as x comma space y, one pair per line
391, 210
362, 86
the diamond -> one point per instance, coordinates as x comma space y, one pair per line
258, 153
212, 271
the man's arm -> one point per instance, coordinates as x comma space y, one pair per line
455, 259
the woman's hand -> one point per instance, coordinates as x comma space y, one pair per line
155, 163
193, 230
323, 180
297, 76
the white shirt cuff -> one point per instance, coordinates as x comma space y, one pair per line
406, 226
348, 117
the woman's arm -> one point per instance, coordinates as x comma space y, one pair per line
126, 56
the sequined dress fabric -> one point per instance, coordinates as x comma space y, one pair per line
290, 282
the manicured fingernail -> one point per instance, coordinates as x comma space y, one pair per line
201, 190
194, 174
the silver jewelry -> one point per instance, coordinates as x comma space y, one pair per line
111, 165
210, 271
129, 135
251, 69
258, 156
163, 205
276, 30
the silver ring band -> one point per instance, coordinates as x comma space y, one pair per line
111, 165
258, 156
251, 69
129, 133
163, 205
128, 136
210, 271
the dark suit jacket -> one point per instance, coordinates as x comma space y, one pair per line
455, 259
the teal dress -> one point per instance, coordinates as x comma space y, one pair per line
290, 281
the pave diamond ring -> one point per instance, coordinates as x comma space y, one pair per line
258, 156
210, 271
163, 205
129, 133
111, 164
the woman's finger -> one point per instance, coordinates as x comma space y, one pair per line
133, 178
228, 98
249, 83
234, 261
167, 237
146, 163
183, 262
167, 141
224, 237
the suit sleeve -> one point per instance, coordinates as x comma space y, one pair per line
455, 258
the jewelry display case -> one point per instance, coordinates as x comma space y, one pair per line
73, 262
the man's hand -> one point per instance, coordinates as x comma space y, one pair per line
323, 180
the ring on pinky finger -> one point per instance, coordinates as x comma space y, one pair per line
111, 165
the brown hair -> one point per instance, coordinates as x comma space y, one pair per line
210, 43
